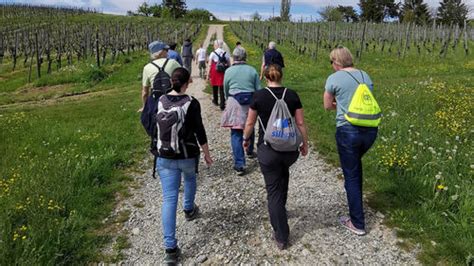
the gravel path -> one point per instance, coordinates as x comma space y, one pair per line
234, 226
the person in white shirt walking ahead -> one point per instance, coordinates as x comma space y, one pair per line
201, 56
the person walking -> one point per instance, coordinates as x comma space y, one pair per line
201, 55
216, 77
241, 81
271, 56
172, 54
159, 54
187, 54
275, 164
172, 166
352, 141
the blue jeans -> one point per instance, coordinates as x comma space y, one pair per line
236, 139
170, 172
352, 143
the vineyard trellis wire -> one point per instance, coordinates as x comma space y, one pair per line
391, 38
63, 39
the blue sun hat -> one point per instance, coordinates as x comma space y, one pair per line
157, 46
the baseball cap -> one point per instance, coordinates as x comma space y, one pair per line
157, 46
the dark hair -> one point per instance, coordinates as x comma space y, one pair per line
274, 73
238, 43
172, 46
179, 77
187, 40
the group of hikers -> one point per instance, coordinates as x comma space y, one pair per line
173, 121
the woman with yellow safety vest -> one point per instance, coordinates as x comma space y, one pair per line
348, 91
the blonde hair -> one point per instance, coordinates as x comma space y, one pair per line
159, 54
341, 56
273, 73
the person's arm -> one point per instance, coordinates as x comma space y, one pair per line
226, 84
262, 68
299, 117
145, 89
145, 92
257, 85
249, 125
199, 130
329, 101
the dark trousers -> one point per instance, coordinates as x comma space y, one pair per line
352, 143
215, 91
275, 168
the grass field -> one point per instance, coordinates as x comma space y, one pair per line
420, 171
68, 140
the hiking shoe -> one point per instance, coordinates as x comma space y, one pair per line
171, 256
280, 245
251, 155
346, 222
239, 170
191, 215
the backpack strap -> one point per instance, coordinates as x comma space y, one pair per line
358, 82
218, 56
161, 69
274, 96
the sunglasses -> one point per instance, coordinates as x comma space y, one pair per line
331, 62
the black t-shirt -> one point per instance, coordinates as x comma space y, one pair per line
263, 102
194, 130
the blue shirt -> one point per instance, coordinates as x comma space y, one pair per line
343, 87
172, 54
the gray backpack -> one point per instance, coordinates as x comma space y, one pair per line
281, 132
170, 120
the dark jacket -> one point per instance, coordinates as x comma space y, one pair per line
272, 56
187, 49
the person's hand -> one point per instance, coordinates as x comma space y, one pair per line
261, 77
304, 149
246, 144
208, 159
140, 110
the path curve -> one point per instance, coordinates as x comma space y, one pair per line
234, 226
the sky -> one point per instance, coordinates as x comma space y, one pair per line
223, 9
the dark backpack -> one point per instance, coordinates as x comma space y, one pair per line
170, 120
161, 85
222, 63
162, 82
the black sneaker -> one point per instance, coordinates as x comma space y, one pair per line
191, 215
239, 170
172, 256
251, 155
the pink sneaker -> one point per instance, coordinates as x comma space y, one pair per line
346, 222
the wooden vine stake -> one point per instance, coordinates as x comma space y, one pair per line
362, 40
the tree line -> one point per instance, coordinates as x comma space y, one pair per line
171, 9
449, 12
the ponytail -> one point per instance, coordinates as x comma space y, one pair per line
179, 77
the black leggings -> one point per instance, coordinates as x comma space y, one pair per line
275, 168
218, 90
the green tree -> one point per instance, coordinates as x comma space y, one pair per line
156, 10
285, 10
176, 7
144, 9
452, 12
415, 11
256, 16
330, 13
199, 14
348, 13
378, 10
